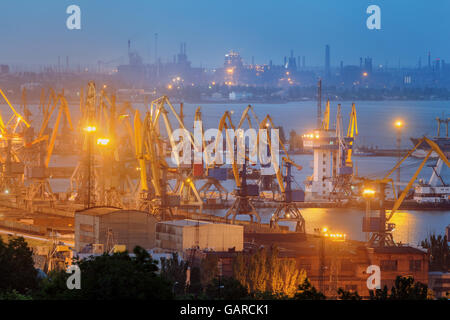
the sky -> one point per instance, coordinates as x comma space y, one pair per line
34, 32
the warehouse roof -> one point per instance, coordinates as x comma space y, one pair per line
399, 249
100, 211
185, 222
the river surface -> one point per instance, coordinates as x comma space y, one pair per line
375, 124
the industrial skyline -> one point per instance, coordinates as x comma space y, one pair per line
211, 28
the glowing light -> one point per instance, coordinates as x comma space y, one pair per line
365, 74
90, 129
398, 123
230, 70
368, 192
324, 229
103, 141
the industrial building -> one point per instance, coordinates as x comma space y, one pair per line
439, 282
179, 235
330, 265
108, 226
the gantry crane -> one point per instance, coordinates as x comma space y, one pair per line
212, 189
102, 176
343, 179
12, 176
154, 170
40, 152
381, 228
242, 204
287, 209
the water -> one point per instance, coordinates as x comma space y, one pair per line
375, 124
412, 226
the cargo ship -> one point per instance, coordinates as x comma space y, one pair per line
443, 142
436, 191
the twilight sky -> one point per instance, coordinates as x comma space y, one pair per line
34, 32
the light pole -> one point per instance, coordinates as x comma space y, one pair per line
90, 130
368, 194
399, 126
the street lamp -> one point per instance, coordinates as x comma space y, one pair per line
103, 141
90, 130
399, 125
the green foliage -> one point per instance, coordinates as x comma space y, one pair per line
379, 294
348, 295
439, 252
111, 277
209, 269
17, 272
306, 291
14, 295
174, 271
265, 273
404, 289
226, 288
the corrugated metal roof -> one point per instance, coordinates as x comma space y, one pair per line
405, 249
185, 222
100, 211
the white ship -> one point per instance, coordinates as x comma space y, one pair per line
436, 191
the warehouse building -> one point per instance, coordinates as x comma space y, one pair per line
179, 235
106, 227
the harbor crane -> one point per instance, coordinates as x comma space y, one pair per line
380, 227
287, 209
242, 204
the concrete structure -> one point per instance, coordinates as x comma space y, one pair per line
326, 152
439, 282
110, 226
179, 235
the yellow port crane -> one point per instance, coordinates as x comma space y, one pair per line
150, 148
38, 162
352, 132
382, 228
287, 209
242, 204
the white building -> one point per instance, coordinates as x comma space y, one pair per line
325, 164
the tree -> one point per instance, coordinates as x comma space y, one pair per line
265, 273
379, 294
111, 277
209, 269
306, 291
439, 252
348, 295
227, 289
174, 271
17, 272
404, 289
14, 295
